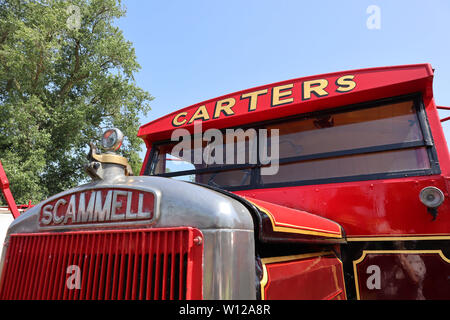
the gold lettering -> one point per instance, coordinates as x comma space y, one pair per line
314, 86
201, 113
224, 106
253, 96
281, 92
176, 122
345, 83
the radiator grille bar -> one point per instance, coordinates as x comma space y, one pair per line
144, 264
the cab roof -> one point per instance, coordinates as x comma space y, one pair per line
291, 97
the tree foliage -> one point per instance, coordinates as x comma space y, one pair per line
66, 74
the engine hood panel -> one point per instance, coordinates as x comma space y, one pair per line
135, 201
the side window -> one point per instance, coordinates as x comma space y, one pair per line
385, 125
378, 140
167, 162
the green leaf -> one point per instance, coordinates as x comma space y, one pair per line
66, 73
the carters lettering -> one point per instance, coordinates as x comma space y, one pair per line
271, 96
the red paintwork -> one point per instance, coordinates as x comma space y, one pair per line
283, 219
4, 186
379, 207
364, 209
368, 208
444, 108
308, 273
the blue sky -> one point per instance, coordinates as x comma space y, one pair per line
195, 50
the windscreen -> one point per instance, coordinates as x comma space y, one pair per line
376, 141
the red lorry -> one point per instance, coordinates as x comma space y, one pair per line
356, 206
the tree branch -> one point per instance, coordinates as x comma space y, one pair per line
3, 37
97, 16
39, 69
71, 80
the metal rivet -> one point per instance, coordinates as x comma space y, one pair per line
198, 240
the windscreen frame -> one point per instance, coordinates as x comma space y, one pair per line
255, 179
